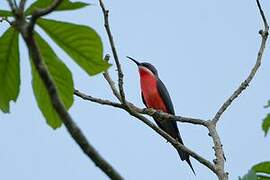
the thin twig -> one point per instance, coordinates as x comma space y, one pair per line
266, 26
115, 55
97, 100
246, 82
111, 83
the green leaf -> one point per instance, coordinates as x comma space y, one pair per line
81, 43
262, 177
62, 78
5, 13
251, 175
65, 5
9, 68
266, 124
263, 167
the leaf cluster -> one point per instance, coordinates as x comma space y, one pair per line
81, 43
259, 171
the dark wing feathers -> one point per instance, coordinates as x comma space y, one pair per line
143, 99
165, 96
170, 127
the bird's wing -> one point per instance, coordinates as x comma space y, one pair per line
165, 96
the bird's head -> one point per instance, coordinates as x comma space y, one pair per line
145, 68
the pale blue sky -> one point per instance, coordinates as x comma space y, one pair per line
202, 49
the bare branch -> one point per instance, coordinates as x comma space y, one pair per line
115, 55
97, 100
219, 153
246, 82
266, 26
111, 83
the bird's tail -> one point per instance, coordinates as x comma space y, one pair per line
185, 157
190, 165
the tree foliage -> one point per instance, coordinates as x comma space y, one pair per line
81, 43
9, 69
266, 121
259, 171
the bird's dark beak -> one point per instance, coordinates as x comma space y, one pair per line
138, 64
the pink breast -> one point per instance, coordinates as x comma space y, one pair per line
150, 91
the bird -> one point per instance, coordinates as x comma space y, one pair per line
155, 95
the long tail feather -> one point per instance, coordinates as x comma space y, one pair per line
185, 157
190, 165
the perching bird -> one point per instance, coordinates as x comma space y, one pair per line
155, 95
